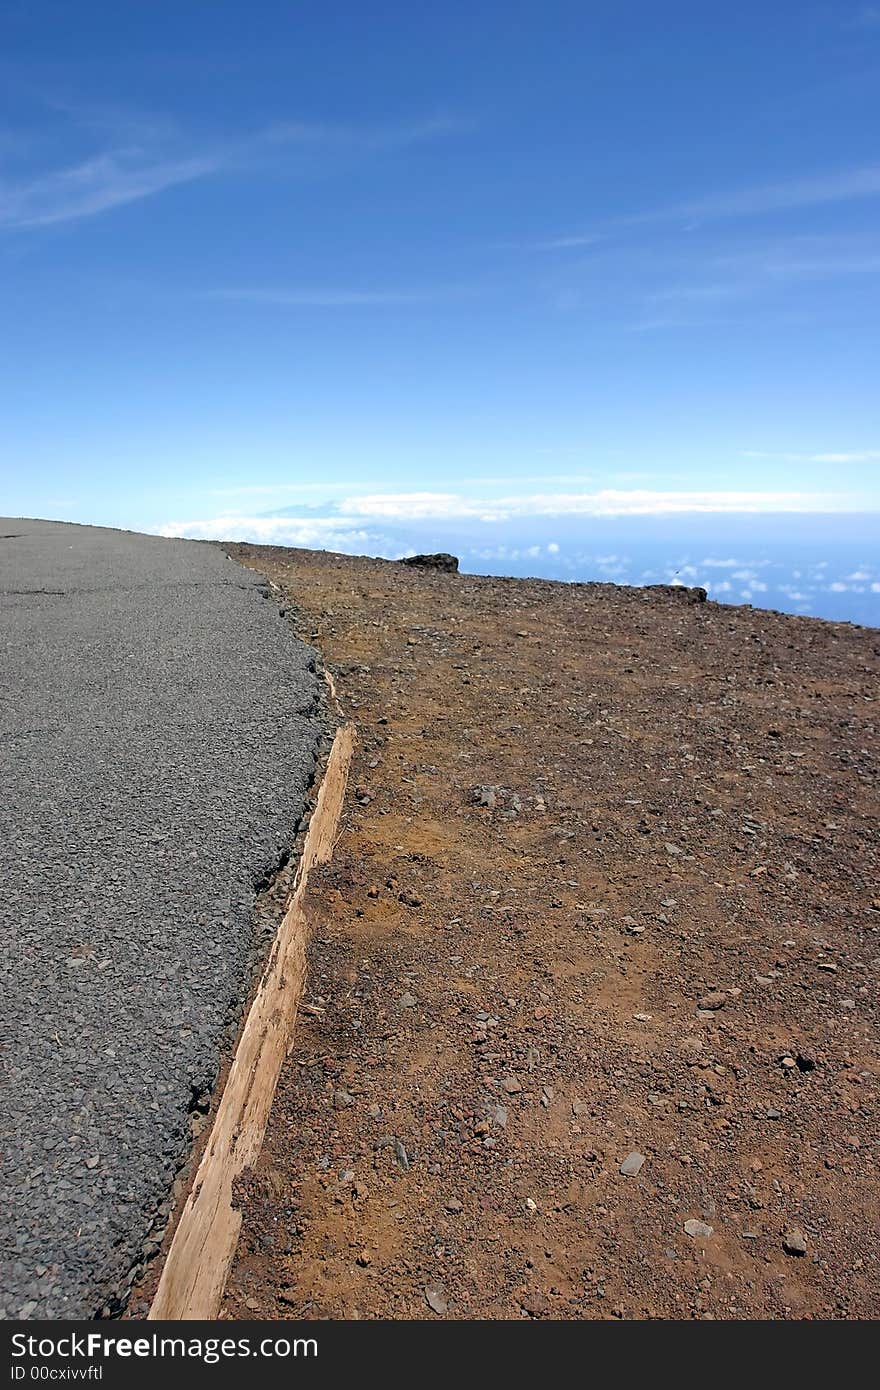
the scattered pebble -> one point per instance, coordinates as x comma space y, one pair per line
698, 1229
632, 1165
435, 1297
794, 1242
535, 1304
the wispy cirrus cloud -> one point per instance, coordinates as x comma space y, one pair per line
129, 170
94, 186
719, 278
813, 190
810, 191
865, 17
561, 243
354, 487
399, 135
281, 489
739, 272
850, 456
328, 297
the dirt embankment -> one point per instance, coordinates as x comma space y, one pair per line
605, 897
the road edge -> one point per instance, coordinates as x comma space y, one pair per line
194, 1275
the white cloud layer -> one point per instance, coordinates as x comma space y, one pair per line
355, 517
412, 506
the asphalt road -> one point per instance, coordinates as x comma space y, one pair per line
158, 726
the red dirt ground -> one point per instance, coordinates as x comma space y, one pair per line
606, 884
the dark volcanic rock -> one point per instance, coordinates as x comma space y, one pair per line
681, 592
449, 563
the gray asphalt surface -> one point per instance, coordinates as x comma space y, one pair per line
158, 727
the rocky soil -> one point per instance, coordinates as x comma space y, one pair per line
591, 1020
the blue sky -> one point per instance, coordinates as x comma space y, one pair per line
318, 272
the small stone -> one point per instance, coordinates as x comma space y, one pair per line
408, 1001
499, 1117
697, 1229
535, 1304
364, 1259
454, 1206
713, 1000
794, 1242
342, 1100
531, 1204
92, 1161
511, 1085
632, 1165
435, 1297
788, 1063
401, 1156
375, 1111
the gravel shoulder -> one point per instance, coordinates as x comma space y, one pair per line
158, 731
591, 1014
